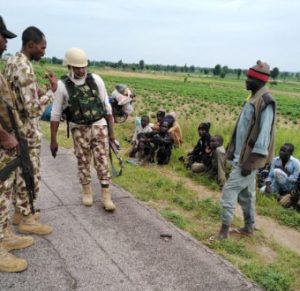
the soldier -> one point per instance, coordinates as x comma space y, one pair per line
8, 152
19, 71
90, 115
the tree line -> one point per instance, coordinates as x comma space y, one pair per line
218, 70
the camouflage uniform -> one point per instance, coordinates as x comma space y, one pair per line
89, 140
19, 71
5, 157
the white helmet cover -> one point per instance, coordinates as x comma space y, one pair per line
75, 57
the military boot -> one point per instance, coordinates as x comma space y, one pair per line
106, 200
29, 225
87, 198
10, 263
17, 216
11, 241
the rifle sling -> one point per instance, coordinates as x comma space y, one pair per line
10, 167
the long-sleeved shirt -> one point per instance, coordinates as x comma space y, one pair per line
292, 168
19, 71
140, 129
263, 139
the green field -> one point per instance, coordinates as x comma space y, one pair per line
177, 194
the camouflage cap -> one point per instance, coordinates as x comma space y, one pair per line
3, 30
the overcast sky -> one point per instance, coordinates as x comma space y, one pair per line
194, 32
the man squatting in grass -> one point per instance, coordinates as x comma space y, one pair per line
250, 148
20, 73
90, 115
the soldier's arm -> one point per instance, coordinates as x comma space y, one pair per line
110, 126
104, 97
54, 145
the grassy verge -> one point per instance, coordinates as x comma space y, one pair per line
268, 206
262, 260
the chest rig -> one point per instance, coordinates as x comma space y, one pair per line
85, 105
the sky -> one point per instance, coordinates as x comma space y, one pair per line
203, 33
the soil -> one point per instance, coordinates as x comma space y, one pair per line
281, 234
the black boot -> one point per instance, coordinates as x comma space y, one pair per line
248, 229
223, 232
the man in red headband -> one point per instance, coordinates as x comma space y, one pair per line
250, 148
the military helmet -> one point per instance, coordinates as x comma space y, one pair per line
75, 57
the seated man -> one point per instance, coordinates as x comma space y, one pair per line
292, 199
283, 173
159, 117
213, 160
175, 130
143, 153
195, 156
142, 128
162, 144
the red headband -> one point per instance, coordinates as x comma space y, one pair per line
258, 75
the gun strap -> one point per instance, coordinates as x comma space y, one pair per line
10, 167
115, 173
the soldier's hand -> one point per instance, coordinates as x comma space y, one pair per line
40, 92
50, 76
54, 148
9, 142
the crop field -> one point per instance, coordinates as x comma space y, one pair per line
201, 99
189, 201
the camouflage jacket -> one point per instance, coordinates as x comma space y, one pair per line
19, 72
5, 100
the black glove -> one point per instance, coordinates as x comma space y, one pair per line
245, 172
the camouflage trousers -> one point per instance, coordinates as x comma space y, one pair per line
91, 141
20, 195
6, 188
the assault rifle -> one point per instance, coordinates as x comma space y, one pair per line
23, 161
115, 147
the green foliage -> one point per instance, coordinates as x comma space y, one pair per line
268, 277
209, 208
274, 73
175, 218
232, 247
217, 70
269, 206
218, 101
141, 64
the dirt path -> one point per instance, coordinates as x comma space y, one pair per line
283, 235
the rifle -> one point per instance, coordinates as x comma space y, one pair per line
114, 148
23, 160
